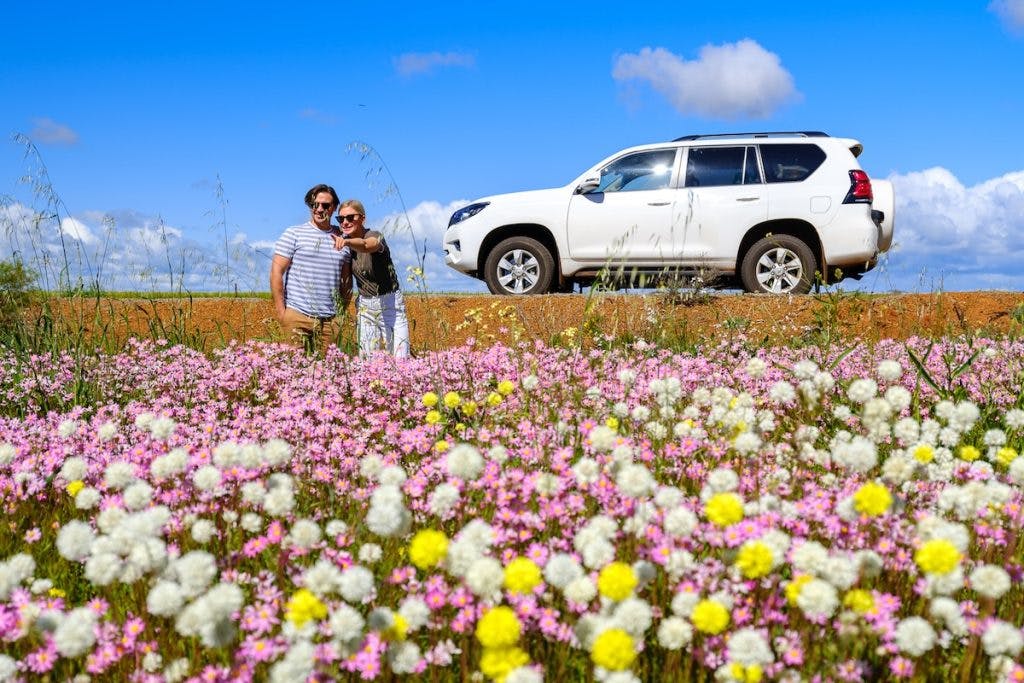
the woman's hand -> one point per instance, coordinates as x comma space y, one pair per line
339, 242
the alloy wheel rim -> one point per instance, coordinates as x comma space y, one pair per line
779, 270
518, 271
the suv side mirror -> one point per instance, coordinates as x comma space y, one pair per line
588, 185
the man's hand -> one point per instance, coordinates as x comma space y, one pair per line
278, 267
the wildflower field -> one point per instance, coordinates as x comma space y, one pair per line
522, 512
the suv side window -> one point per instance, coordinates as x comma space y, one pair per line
790, 163
641, 171
717, 166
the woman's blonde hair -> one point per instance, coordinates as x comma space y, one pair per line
355, 204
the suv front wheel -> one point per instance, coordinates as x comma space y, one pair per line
519, 265
778, 264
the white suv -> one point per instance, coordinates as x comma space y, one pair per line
768, 211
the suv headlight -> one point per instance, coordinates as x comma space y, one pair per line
466, 212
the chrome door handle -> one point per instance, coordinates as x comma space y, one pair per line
658, 203
748, 199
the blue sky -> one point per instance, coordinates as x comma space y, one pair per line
181, 137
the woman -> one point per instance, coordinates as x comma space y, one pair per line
380, 309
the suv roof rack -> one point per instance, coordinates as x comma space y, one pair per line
785, 133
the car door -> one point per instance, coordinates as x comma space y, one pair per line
723, 196
626, 217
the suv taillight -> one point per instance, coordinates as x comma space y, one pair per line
860, 189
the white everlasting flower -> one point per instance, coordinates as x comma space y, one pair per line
87, 498
277, 452
656, 430
387, 515
586, 471
106, 431
144, 420
810, 557
296, 665
497, 453
634, 616
279, 501
103, 569
674, 633
370, 553
524, 674
323, 578
370, 467
627, 376
392, 475
485, 577
818, 599
890, 370
176, 670
840, 571
530, 382
782, 393
1001, 638
994, 437
861, 390
620, 409
73, 469
1014, 418
547, 484
226, 455
443, 499
252, 522
356, 584
602, 438
990, 581
755, 367
680, 522
203, 530
747, 646
138, 495
746, 443
119, 475
668, 497
162, 427
683, 603
76, 633
346, 623
464, 462
857, 454
898, 397
404, 657
336, 527
581, 590
67, 428
194, 571
914, 636
74, 541
415, 612
305, 533
948, 610
7, 453
640, 413
597, 553
165, 599
561, 569
152, 661
206, 478
635, 481
721, 480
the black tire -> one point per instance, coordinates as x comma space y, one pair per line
519, 265
778, 264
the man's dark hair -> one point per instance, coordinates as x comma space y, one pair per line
317, 189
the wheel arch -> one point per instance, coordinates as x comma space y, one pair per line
534, 230
800, 229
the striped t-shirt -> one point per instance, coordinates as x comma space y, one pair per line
313, 282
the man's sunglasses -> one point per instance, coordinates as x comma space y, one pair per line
323, 205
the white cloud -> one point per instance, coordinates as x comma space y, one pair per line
414, 63
734, 80
958, 237
1011, 12
49, 132
77, 230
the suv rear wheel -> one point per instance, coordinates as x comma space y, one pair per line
778, 264
519, 265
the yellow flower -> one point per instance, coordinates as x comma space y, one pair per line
429, 399
612, 423
724, 509
872, 499
74, 487
752, 673
794, 587
459, 426
499, 627
859, 600
522, 575
452, 400
433, 417
937, 556
969, 453
506, 387
493, 398
441, 446
398, 630
923, 453
469, 408
304, 606
428, 548
498, 662
613, 650
56, 593
1006, 455
617, 581
755, 559
710, 617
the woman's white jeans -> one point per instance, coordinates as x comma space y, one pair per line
383, 318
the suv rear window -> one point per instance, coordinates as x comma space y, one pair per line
790, 163
717, 166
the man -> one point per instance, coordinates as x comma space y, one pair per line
310, 280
